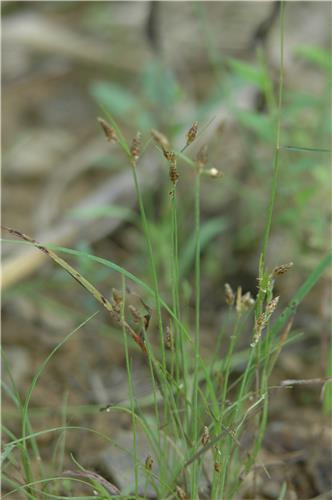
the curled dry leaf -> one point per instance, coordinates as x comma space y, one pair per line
111, 488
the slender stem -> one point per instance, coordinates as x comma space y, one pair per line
276, 166
181, 358
152, 265
197, 328
130, 387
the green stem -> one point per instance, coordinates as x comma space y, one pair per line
180, 352
197, 328
152, 265
276, 166
130, 387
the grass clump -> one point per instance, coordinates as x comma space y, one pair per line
200, 409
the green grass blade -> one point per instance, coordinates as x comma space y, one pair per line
303, 149
114, 267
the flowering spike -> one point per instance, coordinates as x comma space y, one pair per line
173, 174
181, 493
108, 130
137, 317
229, 295
135, 148
192, 133
217, 466
282, 269
263, 320
169, 340
160, 139
148, 462
205, 436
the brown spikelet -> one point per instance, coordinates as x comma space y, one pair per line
146, 321
181, 493
247, 301
169, 340
243, 302
160, 139
277, 271
238, 304
135, 148
108, 130
169, 155
229, 295
205, 436
137, 317
192, 133
148, 462
173, 174
117, 300
259, 326
117, 296
263, 320
217, 466
271, 306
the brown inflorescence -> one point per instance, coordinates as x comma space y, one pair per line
135, 148
277, 271
247, 301
192, 133
137, 317
169, 341
217, 466
181, 493
263, 320
160, 139
173, 173
205, 436
229, 295
109, 131
243, 302
148, 462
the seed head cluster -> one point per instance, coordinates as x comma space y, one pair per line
277, 271
242, 302
192, 133
181, 494
169, 340
263, 320
137, 317
117, 300
161, 139
109, 131
217, 466
229, 295
173, 173
205, 436
135, 148
148, 462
